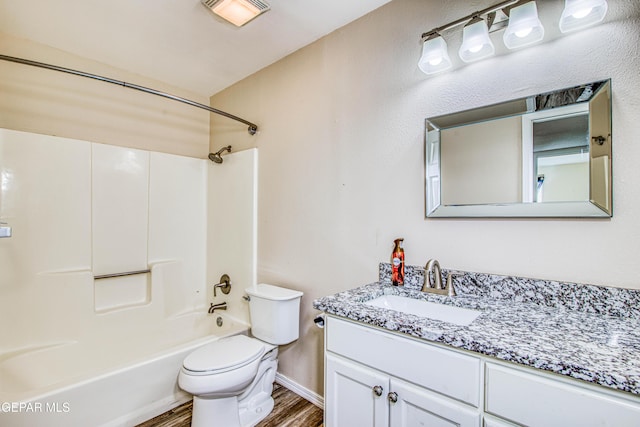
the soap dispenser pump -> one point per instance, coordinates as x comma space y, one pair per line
397, 263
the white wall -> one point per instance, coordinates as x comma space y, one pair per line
232, 228
78, 210
341, 157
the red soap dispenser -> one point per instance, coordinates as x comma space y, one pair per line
397, 264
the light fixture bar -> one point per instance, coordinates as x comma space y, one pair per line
467, 18
519, 19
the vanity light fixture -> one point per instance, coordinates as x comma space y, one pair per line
578, 14
435, 57
524, 29
238, 12
476, 44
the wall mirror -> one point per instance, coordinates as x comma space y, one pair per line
546, 155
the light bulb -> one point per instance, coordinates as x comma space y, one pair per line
435, 57
524, 33
476, 43
524, 27
579, 14
582, 13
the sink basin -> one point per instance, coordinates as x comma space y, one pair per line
446, 313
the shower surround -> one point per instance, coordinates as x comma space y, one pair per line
80, 210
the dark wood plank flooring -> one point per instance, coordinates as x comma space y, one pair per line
290, 410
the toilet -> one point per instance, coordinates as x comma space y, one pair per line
231, 379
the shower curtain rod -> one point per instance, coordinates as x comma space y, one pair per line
253, 128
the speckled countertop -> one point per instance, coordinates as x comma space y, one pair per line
597, 341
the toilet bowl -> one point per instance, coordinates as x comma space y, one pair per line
232, 379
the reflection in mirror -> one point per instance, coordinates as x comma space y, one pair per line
547, 155
558, 142
561, 151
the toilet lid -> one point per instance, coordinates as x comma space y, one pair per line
224, 354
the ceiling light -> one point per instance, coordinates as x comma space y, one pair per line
435, 57
476, 43
578, 14
238, 12
524, 27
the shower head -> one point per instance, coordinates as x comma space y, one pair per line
217, 156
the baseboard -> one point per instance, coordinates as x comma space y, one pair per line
301, 391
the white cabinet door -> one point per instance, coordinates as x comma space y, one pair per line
351, 396
415, 407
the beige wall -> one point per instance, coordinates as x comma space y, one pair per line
341, 169
565, 182
53, 103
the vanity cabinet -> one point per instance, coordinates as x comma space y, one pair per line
537, 399
361, 396
377, 378
373, 378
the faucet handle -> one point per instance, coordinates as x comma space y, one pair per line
449, 286
224, 285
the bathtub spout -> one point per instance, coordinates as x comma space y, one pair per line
214, 307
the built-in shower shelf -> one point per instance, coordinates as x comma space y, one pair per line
116, 293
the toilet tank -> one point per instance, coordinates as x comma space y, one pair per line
275, 313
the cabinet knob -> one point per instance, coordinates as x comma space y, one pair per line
377, 390
393, 397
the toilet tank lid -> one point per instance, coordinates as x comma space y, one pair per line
272, 292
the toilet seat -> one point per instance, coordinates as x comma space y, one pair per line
224, 355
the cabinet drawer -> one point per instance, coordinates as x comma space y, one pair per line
490, 421
451, 373
537, 400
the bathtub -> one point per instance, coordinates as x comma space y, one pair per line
92, 384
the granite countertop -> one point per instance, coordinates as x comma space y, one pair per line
598, 348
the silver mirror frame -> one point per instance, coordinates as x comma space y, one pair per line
599, 204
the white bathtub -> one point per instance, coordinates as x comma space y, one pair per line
105, 382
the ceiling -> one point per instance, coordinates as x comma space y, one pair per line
180, 42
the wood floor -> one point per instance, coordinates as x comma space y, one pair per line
290, 410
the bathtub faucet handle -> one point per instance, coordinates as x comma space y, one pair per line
224, 285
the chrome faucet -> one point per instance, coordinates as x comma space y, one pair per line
433, 266
214, 307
